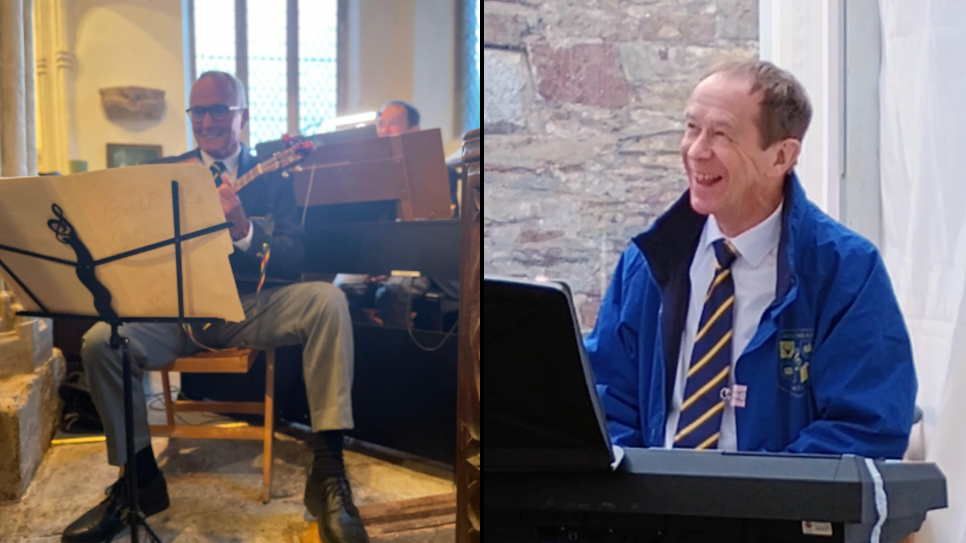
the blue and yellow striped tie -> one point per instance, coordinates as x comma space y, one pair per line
217, 169
700, 423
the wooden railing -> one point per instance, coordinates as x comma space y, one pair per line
468, 451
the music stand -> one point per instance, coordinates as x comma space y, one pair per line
408, 171
85, 268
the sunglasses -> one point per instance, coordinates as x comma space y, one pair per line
218, 113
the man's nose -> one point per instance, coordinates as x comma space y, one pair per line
700, 148
208, 121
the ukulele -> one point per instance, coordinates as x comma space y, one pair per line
296, 151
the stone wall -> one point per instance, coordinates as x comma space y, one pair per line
29, 412
582, 115
31, 372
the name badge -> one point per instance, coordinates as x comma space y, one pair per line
739, 395
821, 529
735, 396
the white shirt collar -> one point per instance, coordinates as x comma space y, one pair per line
231, 163
754, 244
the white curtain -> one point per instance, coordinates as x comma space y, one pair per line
923, 147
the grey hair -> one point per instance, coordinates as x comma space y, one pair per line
234, 84
785, 110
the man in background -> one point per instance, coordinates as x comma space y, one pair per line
397, 118
389, 300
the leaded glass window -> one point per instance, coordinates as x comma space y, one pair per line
214, 44
268, 63
318, 63
471, 63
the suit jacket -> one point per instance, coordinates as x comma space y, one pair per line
269, 201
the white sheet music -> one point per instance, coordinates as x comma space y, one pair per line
115, 211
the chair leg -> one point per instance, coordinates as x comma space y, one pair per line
269, 423
168, 409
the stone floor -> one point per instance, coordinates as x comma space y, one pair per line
214, 486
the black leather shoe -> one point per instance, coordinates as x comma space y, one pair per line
102, 523
330, 501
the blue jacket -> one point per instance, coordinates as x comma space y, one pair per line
829, 370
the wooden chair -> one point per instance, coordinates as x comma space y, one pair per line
238, 361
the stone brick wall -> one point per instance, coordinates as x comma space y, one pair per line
582, 116
31, 372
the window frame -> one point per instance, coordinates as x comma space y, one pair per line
463, 61
241, 56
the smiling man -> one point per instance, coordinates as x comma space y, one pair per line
746, 319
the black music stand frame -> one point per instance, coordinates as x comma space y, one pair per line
86, 266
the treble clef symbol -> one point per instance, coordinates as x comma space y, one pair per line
61, 226
65, 233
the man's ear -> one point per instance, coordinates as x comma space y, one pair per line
244, 118
788, 151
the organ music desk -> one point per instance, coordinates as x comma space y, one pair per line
553, 475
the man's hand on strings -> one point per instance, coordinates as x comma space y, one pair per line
233, 209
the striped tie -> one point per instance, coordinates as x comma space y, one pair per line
217, 169
700, 423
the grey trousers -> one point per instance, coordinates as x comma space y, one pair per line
314, 315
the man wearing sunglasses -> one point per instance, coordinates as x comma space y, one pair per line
314, 315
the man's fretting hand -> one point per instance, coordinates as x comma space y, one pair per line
233, 209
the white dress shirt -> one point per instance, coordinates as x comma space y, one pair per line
755, 273
231, 168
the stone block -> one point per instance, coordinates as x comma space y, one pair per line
693, 24
737, 20
563, 21
648, 61
644, 122
507, 91
588, 73
505, 25
515, 152
652, 144
29, 412
26, 348
668, 96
